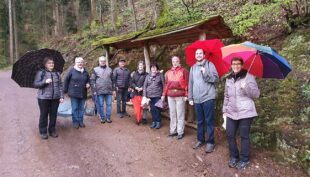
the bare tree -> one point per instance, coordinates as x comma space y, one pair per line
113, 14
15, 29
11, 32
93, 9
134, 13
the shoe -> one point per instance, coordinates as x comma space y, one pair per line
209, 148
137, 122
109, 120
242, 165
82, 125
180, 136
157, 125
198, 145
102, 121
126, 114
54, 135
172, 134
75, 125
44, 136
120, 115
144, 121
232, 163
153, 125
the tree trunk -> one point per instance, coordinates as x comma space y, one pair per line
15, 29
146, 51
113, 14
11, 33
93, 10
56, 18
134, 14
77, 12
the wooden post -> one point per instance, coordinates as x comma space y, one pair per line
147, 58
202, 36
107, 53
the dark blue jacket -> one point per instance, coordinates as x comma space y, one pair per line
75, 83
121, 77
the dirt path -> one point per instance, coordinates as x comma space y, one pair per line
118, 149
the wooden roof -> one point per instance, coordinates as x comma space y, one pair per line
213, 26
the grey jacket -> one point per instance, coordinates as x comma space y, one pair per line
154, 85
201, 87
53, 90
101, 80
238, 102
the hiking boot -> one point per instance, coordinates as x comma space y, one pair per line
54, 135
144, 121
232, 162
120, 115
102, 121
153, 125
126, 114
75, 125
82, 125
198, 145
242, 165
157, 125
172, 134
209, 148
180, 136
109, 120
44, 136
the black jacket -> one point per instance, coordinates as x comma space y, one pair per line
121, 77
53, 90
137, 80
75, 83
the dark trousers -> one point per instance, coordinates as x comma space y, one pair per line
244, 126
121, 96
205, 120
48, 108
155, 111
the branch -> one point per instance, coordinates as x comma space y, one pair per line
187, 7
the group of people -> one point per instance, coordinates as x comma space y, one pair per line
177, 85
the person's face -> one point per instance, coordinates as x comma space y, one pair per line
49, 65
175, 62
122, 63
141, 66
236, 66
199, 55
102, 62
153, 69
80, 64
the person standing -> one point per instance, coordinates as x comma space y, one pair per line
50, 93
121, 80
239, 109
176, 89
153, 89
102, 87
76, 84
202, 94
137, 82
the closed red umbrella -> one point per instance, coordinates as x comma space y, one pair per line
136, 101
212, 49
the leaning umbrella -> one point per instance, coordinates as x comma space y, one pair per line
212, 49
261, 61
25, 69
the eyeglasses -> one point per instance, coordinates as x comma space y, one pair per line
236, 64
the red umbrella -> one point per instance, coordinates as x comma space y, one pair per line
136, 101
212, 49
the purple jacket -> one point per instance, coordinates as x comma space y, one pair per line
238, 102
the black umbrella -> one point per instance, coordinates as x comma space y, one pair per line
25, 69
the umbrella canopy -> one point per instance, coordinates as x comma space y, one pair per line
261, 61
25, 69
212, 49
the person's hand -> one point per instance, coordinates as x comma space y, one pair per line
191, 103
95, 93
48, 81
137, 88
140, 89
185, 98
114, 93
162, 98
129, 89
242, 84
203, 70
61, 100
87, 85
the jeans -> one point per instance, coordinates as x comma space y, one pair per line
177, 114
205, 120
155, 111
48, 108
77, 105
107, 98
244, 126
121, 96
